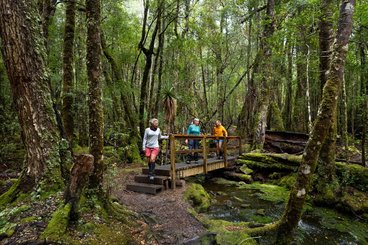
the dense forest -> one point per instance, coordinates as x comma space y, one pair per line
80, 80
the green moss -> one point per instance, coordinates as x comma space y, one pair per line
261, 219
287, 181
58, 224
229, 232
198, 196
245, 169
224, 182
28, 219
111, 234
355, 201
331, 219
272, 193
353, 175
246, 178
266, 165
80, 150
8, 229
10, 195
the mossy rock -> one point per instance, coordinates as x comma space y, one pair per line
272, 193
287, 181
355, 200
331, 219
198, 197
267, 166
245, 169
352, 175
229, 232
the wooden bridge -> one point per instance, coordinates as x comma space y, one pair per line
169, 175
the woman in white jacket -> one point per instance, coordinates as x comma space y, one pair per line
151, 146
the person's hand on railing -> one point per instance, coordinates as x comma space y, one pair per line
186, 141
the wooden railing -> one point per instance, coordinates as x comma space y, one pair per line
204, 150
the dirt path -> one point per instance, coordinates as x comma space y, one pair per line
166, 213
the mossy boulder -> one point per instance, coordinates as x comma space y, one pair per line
198, 197
352, 175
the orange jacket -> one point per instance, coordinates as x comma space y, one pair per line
219, 131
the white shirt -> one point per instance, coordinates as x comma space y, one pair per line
150, 138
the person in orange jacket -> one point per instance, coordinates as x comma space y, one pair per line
219, 130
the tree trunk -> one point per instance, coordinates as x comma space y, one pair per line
364, 87
143, 94
265, 76
289, 88
94, 71
47, 10
321, 128
24, 56
68, 73
326, 182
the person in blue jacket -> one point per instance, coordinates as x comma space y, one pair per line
193, 129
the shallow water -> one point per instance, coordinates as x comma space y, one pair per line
235, 204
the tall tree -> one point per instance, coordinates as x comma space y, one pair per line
322, 125
94, 71
265, 73
68, 74
326, 182
24, 55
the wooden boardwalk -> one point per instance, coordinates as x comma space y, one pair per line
168, 176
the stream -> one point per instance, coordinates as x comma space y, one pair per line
234, 203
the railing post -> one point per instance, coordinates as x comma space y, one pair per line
172, 161
204, 152
225, 152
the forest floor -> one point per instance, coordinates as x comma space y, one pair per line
165, 213
162, 218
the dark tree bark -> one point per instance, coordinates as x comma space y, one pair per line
322, 126
24, 56
94, 71
68, 74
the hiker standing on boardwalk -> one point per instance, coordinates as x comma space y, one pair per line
193, 129
151, 146
219, 130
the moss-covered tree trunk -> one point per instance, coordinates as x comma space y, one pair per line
68, 74
94, 71
24, 56
326, 170
321, 128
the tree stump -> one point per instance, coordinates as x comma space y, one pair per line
81, 170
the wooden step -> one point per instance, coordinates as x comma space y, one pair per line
159, 172
145, 188
158, 180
